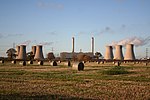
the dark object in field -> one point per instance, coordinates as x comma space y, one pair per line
78, 66
69, 63
13, 62
117, 63
23, 63
53, 63
40, 62
30, 62
2, 61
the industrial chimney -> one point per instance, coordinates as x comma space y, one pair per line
92, 45
22, 53
72, 44
109, 53
39, 53
118, 52
33, 50
17, 51
129, 55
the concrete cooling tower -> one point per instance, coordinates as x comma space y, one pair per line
22, 53
39, 53
129, 54
109, 53
33, 50
17, 51
118, 52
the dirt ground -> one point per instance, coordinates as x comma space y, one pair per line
62, 82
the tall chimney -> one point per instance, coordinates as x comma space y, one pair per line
39, 53
118, 52
33, 50
109, 53
22, 52
92, 45
129, 55
72, 44
17, 51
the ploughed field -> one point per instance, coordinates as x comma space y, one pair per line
103, 81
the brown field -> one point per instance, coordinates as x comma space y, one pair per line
61, 82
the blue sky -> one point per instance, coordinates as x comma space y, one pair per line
54, 23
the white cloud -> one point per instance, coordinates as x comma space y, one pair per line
137, 41
46, 43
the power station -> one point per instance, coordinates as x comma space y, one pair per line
70, 55
118, 53
17, 51
129, 54
37, 51
109, 53
72, 44
33, 50
92, 45
22, 53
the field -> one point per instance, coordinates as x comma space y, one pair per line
61, 82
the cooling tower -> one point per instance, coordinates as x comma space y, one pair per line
118, 52
73, 44
33, 50
17, 51
109, 53
129, 54
22, 52
39, 53
92, 45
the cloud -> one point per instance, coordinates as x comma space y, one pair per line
3, 35
106, 30
52, 33
82, 33
50, 5
137, 41
26, 42
123, 26
13, 35
46, 43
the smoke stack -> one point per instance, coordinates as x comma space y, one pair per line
73, 44
33, 50
22, 52
92, 45
17, 51
39, 53
109, 53
129, 55
118, 52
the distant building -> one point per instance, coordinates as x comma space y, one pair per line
70, 55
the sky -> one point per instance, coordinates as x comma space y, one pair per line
53, 23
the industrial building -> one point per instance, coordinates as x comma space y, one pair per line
71, 55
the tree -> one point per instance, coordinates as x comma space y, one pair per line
11, 53
87, 58
83, 57
98, 54
80, 57
30, 56
50, 56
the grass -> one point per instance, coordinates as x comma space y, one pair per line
98, 82
116, 71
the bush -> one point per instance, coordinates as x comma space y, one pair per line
116, 70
